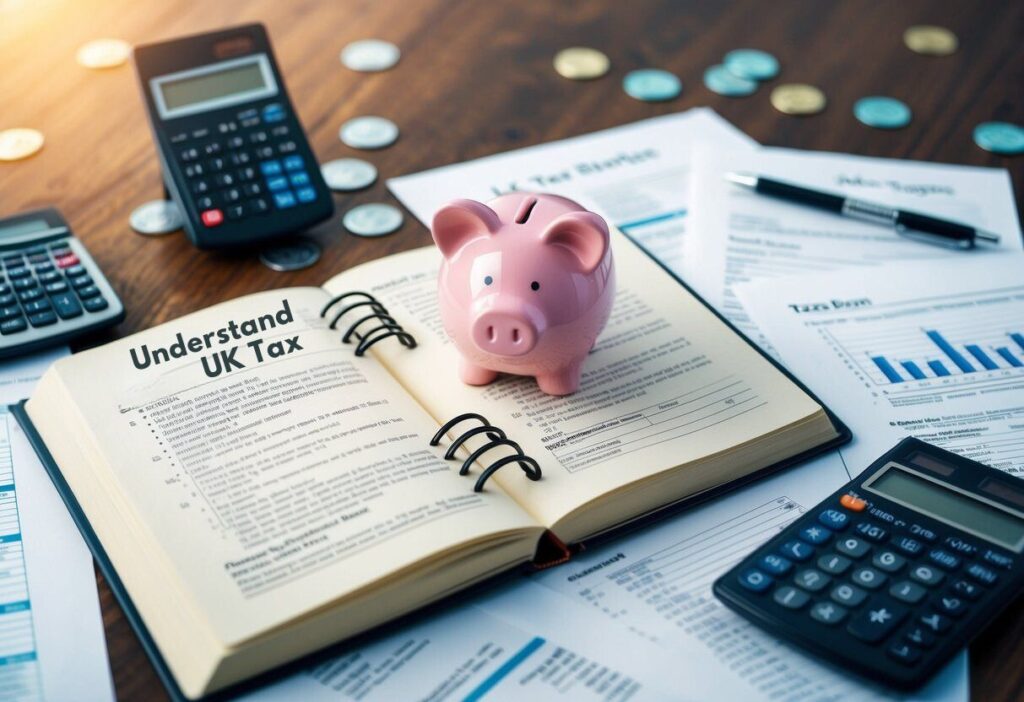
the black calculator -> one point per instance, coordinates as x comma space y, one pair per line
234, 157
51, 290
896, 572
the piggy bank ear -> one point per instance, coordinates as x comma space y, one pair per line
583, 234
461, 221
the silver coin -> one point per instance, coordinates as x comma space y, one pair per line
370, 55
374, 219
156, 217
368, 132
297, 254
348, 174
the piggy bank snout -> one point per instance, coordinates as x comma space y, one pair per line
504, 333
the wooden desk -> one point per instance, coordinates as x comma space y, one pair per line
475, 78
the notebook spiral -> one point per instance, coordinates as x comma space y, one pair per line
497, 437
366, 338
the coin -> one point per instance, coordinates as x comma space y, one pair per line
1000, 138
752, 64
348, 174
369, 55
156, 217
104, 53
581, 63
368, 133
721, 80
798, 99
296, 254
931, 40
374, 219
882, 112
19, 143
651, 85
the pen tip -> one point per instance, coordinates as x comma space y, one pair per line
987, 237
747, 180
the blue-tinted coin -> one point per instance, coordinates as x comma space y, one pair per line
1000, 138
882, 112
651, 85
721, 80
752, 64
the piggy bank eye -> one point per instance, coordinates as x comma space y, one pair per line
488, 280
535, 285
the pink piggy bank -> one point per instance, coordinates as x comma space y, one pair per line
526, 286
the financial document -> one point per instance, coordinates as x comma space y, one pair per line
934, 350
52, 645
742, 236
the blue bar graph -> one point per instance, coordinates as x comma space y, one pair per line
937, 368
1019, 338
911, 367
958, 360
887, 369
986, 362
1009, 357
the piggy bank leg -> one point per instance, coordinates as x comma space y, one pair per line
564, 381
475, 375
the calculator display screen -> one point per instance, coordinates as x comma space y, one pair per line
26, 227
214, 86
950, 506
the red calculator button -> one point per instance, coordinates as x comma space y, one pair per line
212, 218
67, 261
854, 504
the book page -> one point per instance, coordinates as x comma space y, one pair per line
271, 470
667, 383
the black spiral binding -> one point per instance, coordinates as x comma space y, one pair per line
388, 327
497, 438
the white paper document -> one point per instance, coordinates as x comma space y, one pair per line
739, 236
934, 350
52, 645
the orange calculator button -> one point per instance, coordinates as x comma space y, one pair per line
854, 504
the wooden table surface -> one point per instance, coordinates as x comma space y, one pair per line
475, 78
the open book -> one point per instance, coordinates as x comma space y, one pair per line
262, 492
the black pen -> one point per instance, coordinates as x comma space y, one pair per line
913, 225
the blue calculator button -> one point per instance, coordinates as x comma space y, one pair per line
909, 546
982, 574
306, 194
834, 519
755, 580
872, 531
944, 558
797, 550
997, 559
284, 200
299, 179
815, 534
271, 168
277, 183
961, 546
273, 113
293, 163
776, 565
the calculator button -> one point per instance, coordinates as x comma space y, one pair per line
880, 617
216, 164
277, 183
247, 173
258, 137
936, 622
796, 550
888, 561
15, 259
31, 294
37, 306
961, 546
224, 180
80, 281
248, 113
42, 319
265, 152
280, 130
5, 289
827, 613
60, 248
179, 137
236, 142
904, 653
13, 326
790, 597
920, 636
906, 591
997, 559
212, 148
854, 504
8, 299
815, 534
235, 211
66, 261
251, 189
49, 277
982, 574
189, 154
812, 580
294, 163
284, 200
35, 250
872, 531
45, 267
926, 575
24, 284
15, 273
88, 291
834, 563
194, 170
848, 595
271, 168
909, 546
273, 112
211, 218
834, 519
852, 546
950, 604
306, 194
53, 288
776, 565
250, 122
200, 133
66, 305
868, 577
944, 559
259, 206
240, 158
922, 533
966, 589
200, 187
287, 147
9, 312
232, 195
95, 304
299, 179
755, 580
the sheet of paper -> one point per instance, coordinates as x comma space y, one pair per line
934, 350
636, 176
741, 236
52, 645
657, 583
